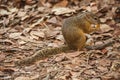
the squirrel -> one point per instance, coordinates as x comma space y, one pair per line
73, 30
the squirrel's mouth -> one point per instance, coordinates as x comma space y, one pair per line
93, 25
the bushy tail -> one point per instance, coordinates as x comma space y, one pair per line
40, 54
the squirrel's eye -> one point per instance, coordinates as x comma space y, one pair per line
95, 18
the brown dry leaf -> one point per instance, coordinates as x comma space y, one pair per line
74, 54
15, 35
107, 35
5, 21
60, 58
21, 14
47, 32
4, 12
30, 2
88, 8
1, 68
109, 2
53, 45
107, 78
103, 69
93, 6
103, 20
75, 75
4, 30
6, 42
104, 62
89, 42
105, 28
110, 22
90, 72
28, 39
21, 42
111, 76
114, 54
8, 70
26, 31
51, 33
2, 57
60, 37
67, 76
117, 33
53, 20
37, 34
58, 42
37, 23
98, 43
25, 17
117, 45
61, 4
34, 37
35, 77
12, 10
62, 10
41, 9
23, 78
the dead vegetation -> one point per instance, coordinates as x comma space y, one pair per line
30, 25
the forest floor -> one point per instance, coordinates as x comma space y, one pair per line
30, 25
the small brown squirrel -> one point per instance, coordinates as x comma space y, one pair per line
73, 30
